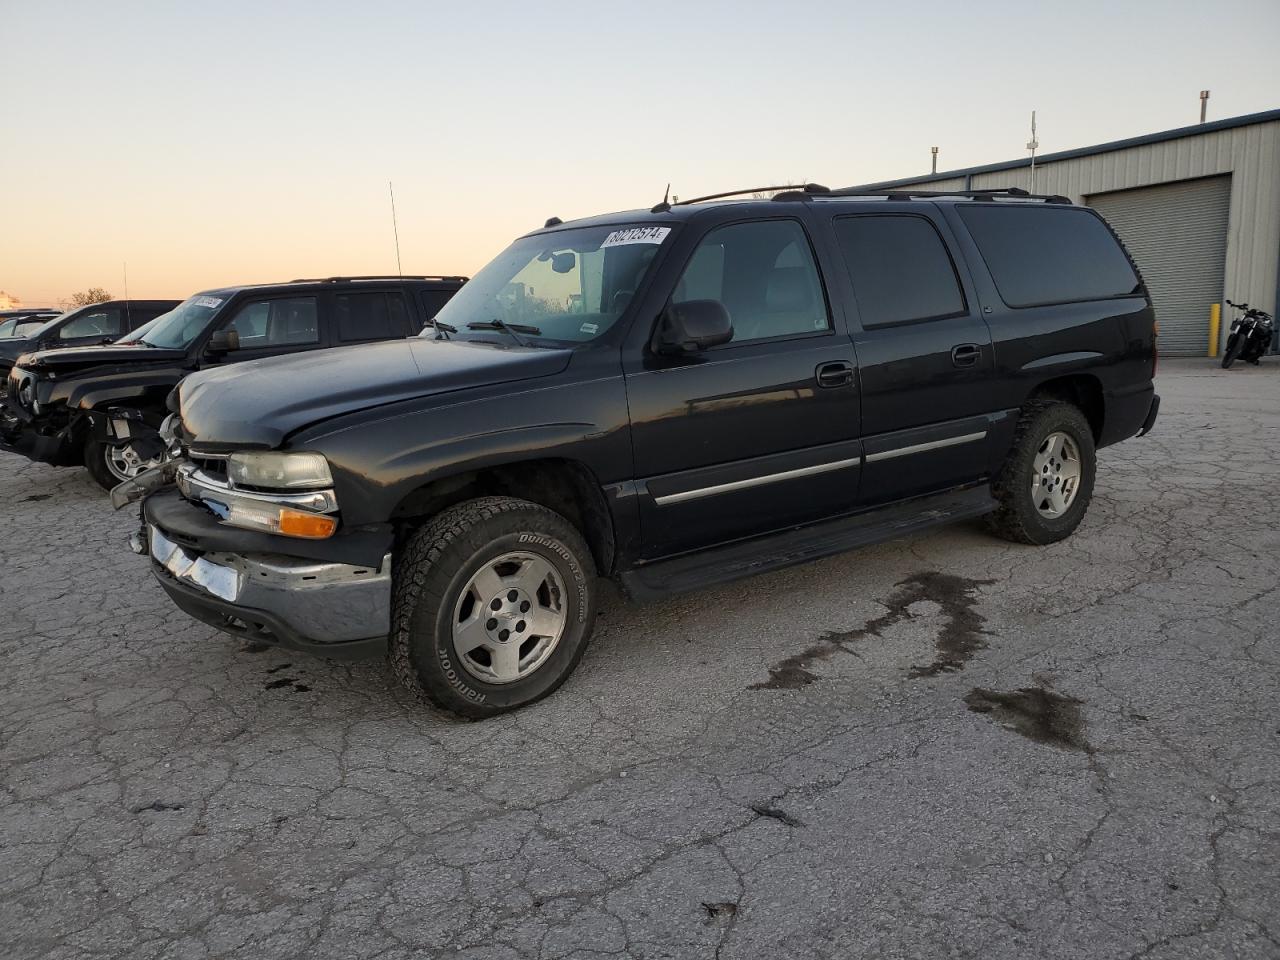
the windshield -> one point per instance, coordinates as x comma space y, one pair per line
38, 326
177, 329
143, 330
569, 286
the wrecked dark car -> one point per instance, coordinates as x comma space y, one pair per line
93, 325
672, 398
102, 407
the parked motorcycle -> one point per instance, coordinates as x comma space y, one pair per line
1250, 335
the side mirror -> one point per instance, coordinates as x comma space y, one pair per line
223, 341
692, 326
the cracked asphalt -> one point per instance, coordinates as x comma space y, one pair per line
944, 746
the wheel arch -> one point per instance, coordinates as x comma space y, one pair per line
569, 487
1082, 390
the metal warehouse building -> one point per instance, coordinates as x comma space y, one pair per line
1198, 207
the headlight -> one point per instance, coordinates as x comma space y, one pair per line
279, 471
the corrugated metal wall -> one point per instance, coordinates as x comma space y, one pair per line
1177, 234
1251, 154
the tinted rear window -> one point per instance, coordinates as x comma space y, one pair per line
368, 316
900, 269
1044, 254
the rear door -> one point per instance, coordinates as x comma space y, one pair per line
924, 352
758, 433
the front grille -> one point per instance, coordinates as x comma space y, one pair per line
215, 468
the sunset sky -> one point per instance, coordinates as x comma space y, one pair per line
217, 143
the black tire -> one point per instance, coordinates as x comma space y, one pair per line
1235, 343
432, 573
1018, 519
95, 461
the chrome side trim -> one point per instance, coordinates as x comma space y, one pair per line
756, 481
922, 447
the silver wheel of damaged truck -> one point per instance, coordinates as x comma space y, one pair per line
124, 463
509, 618
493, 604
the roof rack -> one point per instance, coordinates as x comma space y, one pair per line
795, 189
406, 276
994, 193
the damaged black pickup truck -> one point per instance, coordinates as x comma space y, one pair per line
103, 406
672, 398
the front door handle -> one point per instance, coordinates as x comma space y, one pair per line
966, 354
836, 374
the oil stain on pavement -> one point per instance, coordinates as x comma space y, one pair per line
962, 634
1035, 713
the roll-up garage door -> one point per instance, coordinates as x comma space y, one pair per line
1177, 234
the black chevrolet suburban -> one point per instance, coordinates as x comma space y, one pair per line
670, 397
93, 325
103, 406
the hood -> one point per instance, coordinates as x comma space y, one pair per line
11, 348
261, 402
74, 359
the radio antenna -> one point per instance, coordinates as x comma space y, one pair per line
128, 307
394, 228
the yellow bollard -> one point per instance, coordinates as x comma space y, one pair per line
1215, 327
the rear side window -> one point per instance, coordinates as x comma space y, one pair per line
900, 269
1039, 255
370, 316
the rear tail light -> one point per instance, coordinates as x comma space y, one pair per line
1155, 346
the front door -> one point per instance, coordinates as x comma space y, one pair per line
924, 355
761, 432
270, 326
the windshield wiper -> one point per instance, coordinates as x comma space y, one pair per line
513, 329
443, 329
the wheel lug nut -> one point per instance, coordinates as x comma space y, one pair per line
504, 634
491, 625
513, 596
524, 607
496, 605
520, 627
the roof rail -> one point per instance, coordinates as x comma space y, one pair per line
406, 276
789, 190
993, 193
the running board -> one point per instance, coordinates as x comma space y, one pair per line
774, 551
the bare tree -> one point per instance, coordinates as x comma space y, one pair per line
93, 295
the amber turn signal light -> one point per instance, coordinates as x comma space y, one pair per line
309, 526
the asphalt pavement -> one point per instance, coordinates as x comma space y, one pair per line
944, 746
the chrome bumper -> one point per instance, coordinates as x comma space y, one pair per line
290, 600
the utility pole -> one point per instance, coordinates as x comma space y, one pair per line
1204, 104
934, 151
1032, 145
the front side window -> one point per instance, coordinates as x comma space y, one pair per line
290, 321
900, 269
565, 287
764, 275
1041, 254
93, 322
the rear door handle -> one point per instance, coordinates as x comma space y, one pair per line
836, 374
966, 354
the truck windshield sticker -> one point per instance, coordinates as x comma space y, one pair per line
208, 302
589, 328
635, 235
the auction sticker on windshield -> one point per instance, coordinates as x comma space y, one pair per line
635, 235
208, 302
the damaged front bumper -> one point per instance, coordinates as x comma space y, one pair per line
334, 601
35, 438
